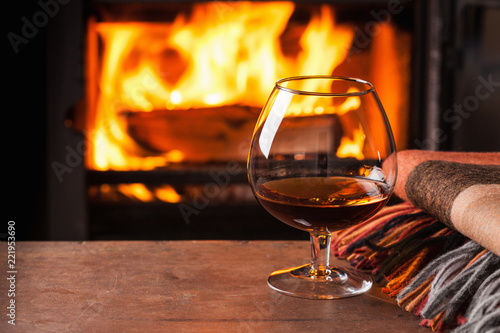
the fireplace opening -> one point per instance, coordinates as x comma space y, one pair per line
190, 88
173, 91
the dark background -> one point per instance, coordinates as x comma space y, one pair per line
24, 124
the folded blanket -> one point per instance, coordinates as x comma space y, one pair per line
462, 190
437, 252
409, 159
433, 271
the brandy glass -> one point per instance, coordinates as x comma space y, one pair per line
322, 159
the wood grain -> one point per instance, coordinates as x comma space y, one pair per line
189, 286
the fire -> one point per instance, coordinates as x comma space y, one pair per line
222, 54
231, 54
352, 147
167, 193
136, 190
141, 192
303, 108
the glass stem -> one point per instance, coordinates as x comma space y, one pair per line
320, 254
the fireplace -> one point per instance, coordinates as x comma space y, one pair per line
151, 142
174, 98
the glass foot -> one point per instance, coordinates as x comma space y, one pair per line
333, 284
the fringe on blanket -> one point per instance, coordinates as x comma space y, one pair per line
434, 272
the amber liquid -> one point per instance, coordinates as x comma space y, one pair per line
320, 203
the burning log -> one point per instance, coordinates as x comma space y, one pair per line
212, 134
204, 134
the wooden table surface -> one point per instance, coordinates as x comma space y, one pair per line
186, 286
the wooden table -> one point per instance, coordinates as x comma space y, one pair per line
187, 286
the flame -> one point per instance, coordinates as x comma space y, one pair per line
302, 108
391, 90
229, 55
352, 147
136, 190
221, 54
167, 193
141, 192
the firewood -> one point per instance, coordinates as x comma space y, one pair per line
214, 133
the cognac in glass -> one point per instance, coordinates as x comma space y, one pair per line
322, 159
